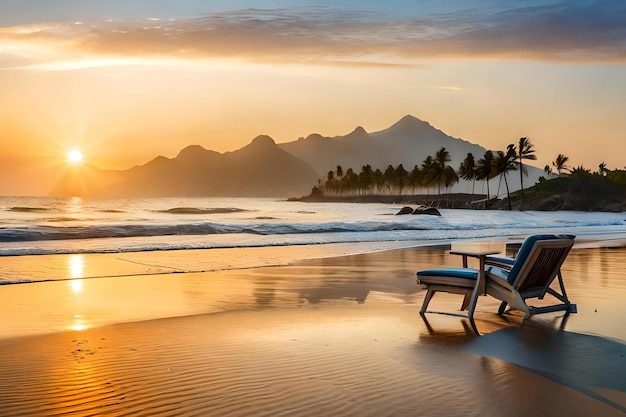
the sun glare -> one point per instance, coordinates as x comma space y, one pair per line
74, 156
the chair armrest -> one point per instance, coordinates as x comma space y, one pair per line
500, 261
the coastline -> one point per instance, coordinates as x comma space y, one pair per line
333, 335
539, 202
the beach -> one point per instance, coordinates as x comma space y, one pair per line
334, 335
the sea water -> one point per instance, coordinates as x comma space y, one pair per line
47, 226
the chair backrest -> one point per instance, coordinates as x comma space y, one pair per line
539, 260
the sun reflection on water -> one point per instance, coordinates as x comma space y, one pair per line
76, 267
79, 323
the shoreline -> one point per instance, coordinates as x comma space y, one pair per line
465, 201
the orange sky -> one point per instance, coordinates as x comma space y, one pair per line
126, 90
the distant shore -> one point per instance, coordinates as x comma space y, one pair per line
476, 202
452, 201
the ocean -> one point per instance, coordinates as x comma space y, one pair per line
55, 226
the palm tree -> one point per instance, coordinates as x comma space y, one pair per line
442, 157
339, 171
428, 172
548, 170
504, 163
450, 177
400, 177
379, 180
485, 170
389, 175
415, 177
366, 178
525, 151
602, 170
351, 180
467, 169
560, 163
330, 181
580, 170
339, 177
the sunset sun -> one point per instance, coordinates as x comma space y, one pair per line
74, 156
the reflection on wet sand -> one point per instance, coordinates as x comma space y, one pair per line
589, 364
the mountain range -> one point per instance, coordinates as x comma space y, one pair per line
266, 169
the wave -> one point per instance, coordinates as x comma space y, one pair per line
23, 209
45, 233
195, 210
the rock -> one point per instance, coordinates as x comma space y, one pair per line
405, 210
427, 210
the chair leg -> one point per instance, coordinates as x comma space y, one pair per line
466, 301
427, 298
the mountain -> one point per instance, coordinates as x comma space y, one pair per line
408, 142
265, 169
260, 169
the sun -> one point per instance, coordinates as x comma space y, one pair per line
74, 156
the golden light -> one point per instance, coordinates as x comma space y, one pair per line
76, 264
74, 156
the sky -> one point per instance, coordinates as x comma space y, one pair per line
127, 80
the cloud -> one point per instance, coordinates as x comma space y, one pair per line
571, 31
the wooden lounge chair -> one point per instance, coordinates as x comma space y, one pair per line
511, 280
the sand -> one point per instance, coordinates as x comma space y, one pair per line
330, 337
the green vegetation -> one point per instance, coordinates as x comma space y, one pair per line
579, 189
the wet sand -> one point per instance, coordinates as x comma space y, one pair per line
334, 336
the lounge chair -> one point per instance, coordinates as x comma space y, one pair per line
511, 280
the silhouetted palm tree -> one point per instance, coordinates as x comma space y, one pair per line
415, 176
504, 163
450, 177
366, 178
485, 170
400, 177
442, 157
379, 180
602, 170
467, 169
548, 170
525, 151
428, 172
560, 163
390, 175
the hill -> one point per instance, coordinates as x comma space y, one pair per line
580, 191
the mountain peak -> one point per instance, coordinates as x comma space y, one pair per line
408, 127
190, 150
262, 140
357, 134
409, 121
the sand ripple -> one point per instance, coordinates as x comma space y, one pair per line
304, 362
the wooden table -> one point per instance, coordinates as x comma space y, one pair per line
479, 288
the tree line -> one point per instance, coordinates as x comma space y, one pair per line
435, 173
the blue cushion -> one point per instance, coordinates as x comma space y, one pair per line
494, 271
466, 273
524, 251
501, 260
